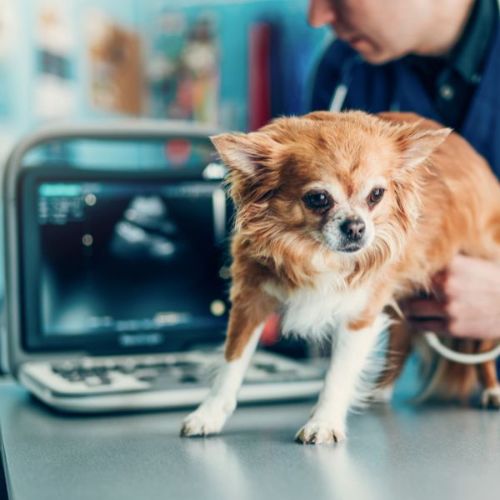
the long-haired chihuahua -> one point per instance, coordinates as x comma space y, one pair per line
339, 216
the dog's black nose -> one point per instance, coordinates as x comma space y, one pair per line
354, 229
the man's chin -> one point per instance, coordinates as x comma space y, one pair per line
373, 55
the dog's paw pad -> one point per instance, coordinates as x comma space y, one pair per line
202, 423
490, 398
316, 432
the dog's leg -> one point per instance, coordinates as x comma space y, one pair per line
490, 397
245, 326
342, 384
398, 350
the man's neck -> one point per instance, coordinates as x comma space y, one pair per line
446, 25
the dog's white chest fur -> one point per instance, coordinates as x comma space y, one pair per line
319, 310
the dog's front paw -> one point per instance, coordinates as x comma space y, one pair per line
490, 398
207, 419
319, 432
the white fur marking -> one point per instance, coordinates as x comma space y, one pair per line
317, 312
346, 383
211, 415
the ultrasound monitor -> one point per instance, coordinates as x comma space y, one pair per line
123, 262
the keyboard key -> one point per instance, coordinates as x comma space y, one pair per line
63, 367
146, 375
186, 364
73, 376
105, 380
93, 381
126, 366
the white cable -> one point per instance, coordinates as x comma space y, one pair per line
460, 357
338, 98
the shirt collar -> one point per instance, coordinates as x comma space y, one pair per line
469, 54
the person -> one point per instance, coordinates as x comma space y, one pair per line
442, 61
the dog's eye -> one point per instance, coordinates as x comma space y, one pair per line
318, 200
375, 196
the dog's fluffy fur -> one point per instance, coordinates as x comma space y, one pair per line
339, 216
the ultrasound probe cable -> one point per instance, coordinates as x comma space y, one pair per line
460, 357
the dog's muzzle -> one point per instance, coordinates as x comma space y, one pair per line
347, 236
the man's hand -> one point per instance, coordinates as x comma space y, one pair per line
466, 301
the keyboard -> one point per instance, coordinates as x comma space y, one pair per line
162, 381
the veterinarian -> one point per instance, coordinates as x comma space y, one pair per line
440, 59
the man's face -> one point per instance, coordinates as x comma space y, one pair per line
379, 30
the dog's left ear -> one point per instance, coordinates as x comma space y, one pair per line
244, 153
416, 144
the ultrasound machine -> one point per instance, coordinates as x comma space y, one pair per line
116, 279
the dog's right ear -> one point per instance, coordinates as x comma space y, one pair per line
253, 160
247, 154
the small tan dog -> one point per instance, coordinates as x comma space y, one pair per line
339, 216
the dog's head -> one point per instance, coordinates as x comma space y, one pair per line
347, 181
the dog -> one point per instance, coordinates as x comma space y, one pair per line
339, 216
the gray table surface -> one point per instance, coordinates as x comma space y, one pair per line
400, 452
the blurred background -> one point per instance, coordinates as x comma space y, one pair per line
230, 63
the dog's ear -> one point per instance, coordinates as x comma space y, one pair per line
416, 144
252, 160
245, 153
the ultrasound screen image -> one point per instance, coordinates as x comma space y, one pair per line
122, 257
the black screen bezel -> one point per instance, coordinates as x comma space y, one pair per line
29, 265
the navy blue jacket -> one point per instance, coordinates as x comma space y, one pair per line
396, 86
